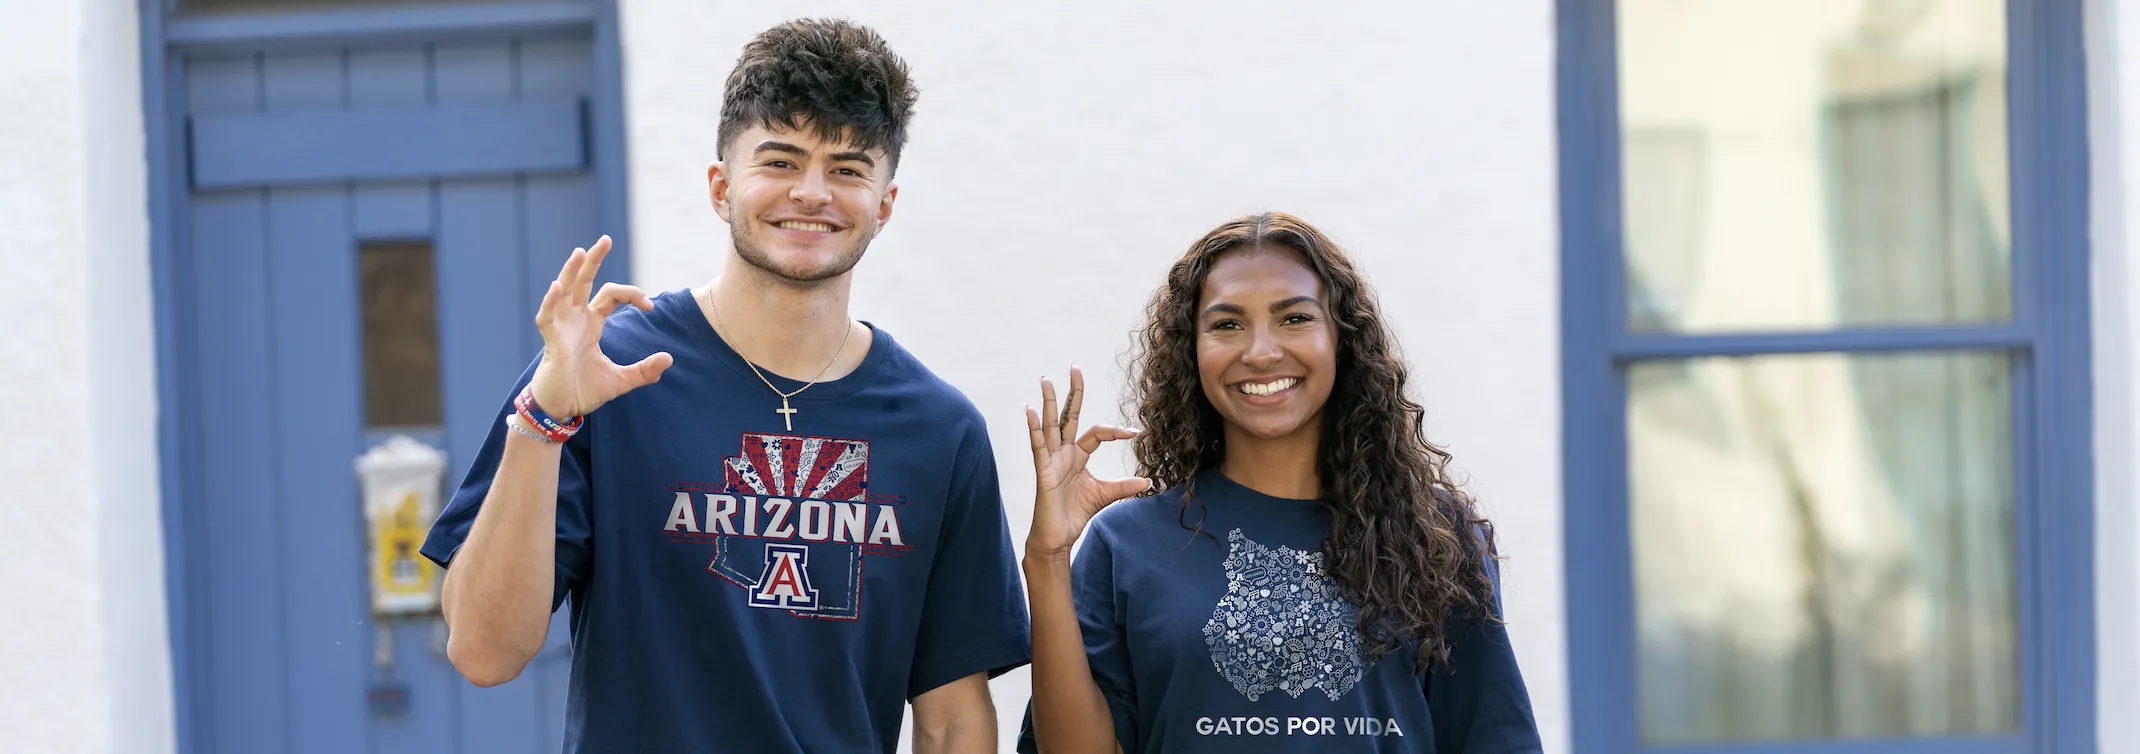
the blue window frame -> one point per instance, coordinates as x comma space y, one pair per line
2039, 352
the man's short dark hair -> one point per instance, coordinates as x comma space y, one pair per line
837, 77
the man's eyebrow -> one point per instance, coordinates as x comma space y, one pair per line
781, 146
854, 156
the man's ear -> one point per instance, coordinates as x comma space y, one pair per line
717, 188
884, 207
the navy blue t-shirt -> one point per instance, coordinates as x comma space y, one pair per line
1239, 642
739, 586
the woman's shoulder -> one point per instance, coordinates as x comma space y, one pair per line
1142, 516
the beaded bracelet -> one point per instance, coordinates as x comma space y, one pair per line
543, 423
514, 421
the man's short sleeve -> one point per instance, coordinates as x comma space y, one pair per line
973, 616
450, 531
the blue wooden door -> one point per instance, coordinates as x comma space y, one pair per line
367, 230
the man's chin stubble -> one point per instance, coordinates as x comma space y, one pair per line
756, 257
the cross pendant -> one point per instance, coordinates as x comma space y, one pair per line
786, 414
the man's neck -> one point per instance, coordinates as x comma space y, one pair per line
788, 330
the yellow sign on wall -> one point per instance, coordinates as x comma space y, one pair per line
403, 580
401, 489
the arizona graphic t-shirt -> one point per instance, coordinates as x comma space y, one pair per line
1236, 640
741, 583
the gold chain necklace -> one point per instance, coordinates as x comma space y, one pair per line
786, 412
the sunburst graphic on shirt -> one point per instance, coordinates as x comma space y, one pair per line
791, 523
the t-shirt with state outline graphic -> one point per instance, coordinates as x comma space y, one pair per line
1235, 639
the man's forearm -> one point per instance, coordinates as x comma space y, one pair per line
973, 734
497, 593
956, 718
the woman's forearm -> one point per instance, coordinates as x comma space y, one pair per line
1069, 714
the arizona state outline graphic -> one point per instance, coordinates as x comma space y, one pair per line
792, 523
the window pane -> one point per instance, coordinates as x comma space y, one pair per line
1814, 163
401, 368
1823, 546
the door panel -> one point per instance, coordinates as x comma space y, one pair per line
396, 76
278, 368
479, 244
301, 81
243, 549
481, 72
392, 210
560, 209
312, 338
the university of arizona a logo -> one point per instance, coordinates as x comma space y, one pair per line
791, 523
785, 583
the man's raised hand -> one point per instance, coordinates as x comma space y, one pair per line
574, 377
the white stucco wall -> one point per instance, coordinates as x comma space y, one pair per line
85, 667
1063, 156
2114, 110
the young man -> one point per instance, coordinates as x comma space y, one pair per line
774, 525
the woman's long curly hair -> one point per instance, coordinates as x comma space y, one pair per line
1406, 544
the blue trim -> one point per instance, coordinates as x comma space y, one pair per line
375, 24
2028, 433
446, 140
1885, 339
1600, 586
162, 87
611, 172
2052, 404
2048, 123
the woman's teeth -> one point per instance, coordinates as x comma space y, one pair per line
1268, 388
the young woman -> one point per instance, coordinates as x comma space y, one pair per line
1309, 579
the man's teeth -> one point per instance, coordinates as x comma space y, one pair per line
1269, 388
816, 227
